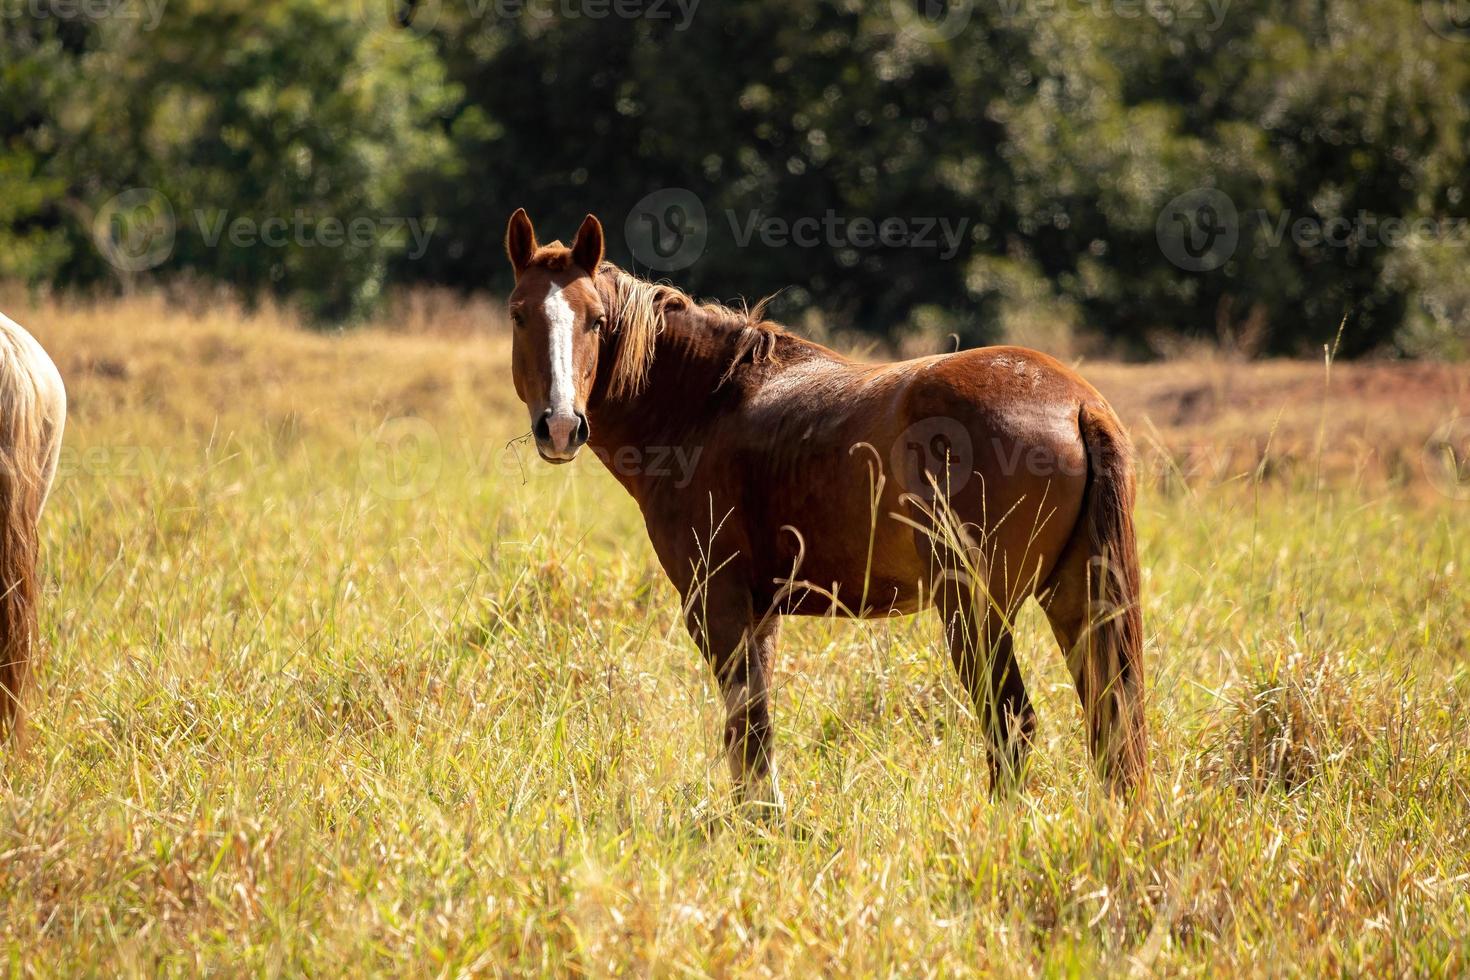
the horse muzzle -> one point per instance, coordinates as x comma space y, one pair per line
560, 434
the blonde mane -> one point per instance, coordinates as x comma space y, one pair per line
637, 311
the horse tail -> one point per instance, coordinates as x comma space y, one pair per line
23, 482
1108, 651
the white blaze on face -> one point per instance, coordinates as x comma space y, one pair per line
560, 318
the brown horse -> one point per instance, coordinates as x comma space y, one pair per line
969, 482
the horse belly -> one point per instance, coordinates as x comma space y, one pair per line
837, 550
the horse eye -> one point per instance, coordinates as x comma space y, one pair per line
599, 323
518, 319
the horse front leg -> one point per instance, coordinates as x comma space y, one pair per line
741, 651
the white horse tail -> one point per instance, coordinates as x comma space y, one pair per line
32, 413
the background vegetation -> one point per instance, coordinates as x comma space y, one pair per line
1060, 131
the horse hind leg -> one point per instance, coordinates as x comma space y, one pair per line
978, 634
1094, 617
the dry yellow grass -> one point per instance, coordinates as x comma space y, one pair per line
1213, 420
324, 695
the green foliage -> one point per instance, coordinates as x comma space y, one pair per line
1052, 135
274, 139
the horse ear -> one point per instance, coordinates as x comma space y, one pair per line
587, 250
520, 241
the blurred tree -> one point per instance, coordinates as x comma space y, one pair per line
1136, 171
38, 60
272, 139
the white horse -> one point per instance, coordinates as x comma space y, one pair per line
32, 414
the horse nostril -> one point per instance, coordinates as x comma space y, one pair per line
542, 429
584, 431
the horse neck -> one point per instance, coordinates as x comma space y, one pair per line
690, 360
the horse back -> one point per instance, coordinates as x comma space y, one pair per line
835, 472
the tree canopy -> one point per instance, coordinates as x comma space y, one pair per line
1127, 170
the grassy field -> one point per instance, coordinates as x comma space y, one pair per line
338, 679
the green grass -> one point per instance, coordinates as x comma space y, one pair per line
288, 723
